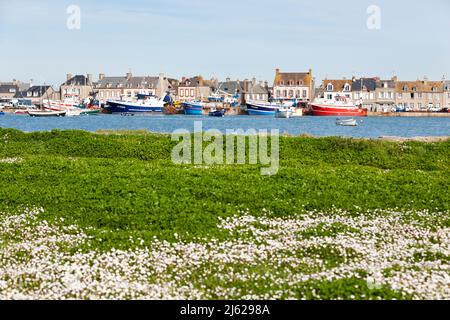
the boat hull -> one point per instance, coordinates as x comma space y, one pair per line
217, 113
261, 110
332, 111
47, 113
123, 107
193, 109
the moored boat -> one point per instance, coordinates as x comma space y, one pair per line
217, 113
341, 106
144, 103
2, 113
283, 113
193, 108
347, 122
46, 113
255, 108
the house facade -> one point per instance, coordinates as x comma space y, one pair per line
80, 86
447, 94
36, 94
420, 95
255, 90
126, 88
293, 85
364, 93
385, 94
8, 90
195, 88
336, 88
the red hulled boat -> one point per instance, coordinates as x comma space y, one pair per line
341, 106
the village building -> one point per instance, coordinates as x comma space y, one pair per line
255, 90
8, 90
336, 88
36, 94
447, 94
420, 95
293, 85
385, 94
195, 88
364, 93
78, 86
127, 88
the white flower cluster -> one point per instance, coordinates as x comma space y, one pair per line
41, 261
11, 160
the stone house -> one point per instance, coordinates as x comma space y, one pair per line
80, 86
126, 88
195, 88
336, 88
364, 92
420, 95
293, 85
36, 94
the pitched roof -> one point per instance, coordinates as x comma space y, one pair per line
124, 82
368, 84
284, 78
78, 80
338, 85
419, 86
230, 87
390, 84
8, 88
39, 90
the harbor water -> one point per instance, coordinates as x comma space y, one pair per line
370, 127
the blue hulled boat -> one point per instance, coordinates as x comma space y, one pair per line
262, 108
193, 108
144, 103
217, 113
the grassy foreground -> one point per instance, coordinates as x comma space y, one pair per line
117, 205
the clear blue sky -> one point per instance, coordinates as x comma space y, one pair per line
235, 38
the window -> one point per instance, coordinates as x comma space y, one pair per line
182, 93
412, 95
419, 105
305, 93
192, 93
400, 96
291, 93
12, 90
329, 96
346, 87
412, 105
36, 94
385, 85
419, 95
434, 89
405, 88
278, 93
330, 87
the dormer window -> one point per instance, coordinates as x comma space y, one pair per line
347, 87
414, 88
434, 89
405, 88
330, 87
385, 85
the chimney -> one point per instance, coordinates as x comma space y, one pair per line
254, 81
228, 79
129, 75
31, 83
69, 76
277, 71
101, 76
89, 78
394, 78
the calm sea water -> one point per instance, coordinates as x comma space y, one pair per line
371, 127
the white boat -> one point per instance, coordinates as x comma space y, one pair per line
46, 113
347, 122
285, 113
296, 112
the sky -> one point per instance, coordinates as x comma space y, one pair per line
240, 39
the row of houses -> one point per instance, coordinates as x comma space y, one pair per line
380, 95
374, 93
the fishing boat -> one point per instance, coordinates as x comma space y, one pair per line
144, 103
193, 108
46, 113
347, 122
217, 113
89, 112
285, 113
255, 108
341, 106
297, 112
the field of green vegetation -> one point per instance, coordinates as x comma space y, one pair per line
109, 216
